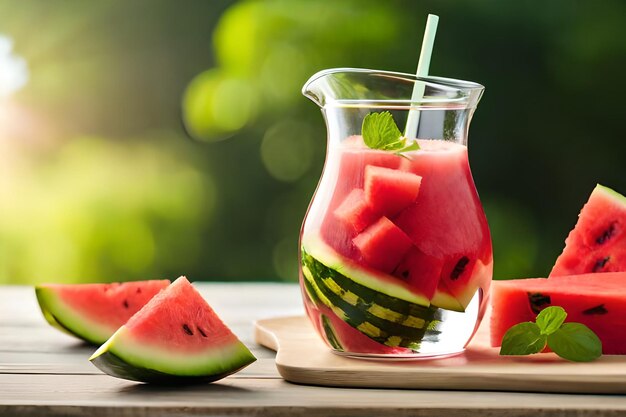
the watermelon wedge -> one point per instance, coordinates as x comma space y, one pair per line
598, 241
93, 312
344, 338
597, 300
361, 275
175, 338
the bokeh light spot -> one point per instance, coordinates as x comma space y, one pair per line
13, 69
285, 255
286, 150
216, 105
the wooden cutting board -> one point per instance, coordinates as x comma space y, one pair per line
303, 358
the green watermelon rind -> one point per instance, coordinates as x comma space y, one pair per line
67, 319
383, 283
619, 198
124, 358
357, 316
443, 299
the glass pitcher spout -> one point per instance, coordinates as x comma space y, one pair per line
370, 87
443, 107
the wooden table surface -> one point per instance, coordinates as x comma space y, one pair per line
44, 372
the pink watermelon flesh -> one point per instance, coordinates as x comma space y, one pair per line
446, 221
181, 320
355, 212
457, 275
99, 308
350, 175
420, 271
598, 241
597, 300
388, 191
383, 245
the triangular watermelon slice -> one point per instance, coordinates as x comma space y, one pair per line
598, 241
93, 312
175, 338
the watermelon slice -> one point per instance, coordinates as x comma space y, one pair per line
389, 191
596, 300
362, 275
420, 271
176, 337
459, 278
383, 245
342, 337
93, 312
598, 241
355, 212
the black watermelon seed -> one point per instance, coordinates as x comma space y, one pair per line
596, 310
125, 303
537, 300
459, 268
600, 264
608, 233
201, 331
187, 330
405, 274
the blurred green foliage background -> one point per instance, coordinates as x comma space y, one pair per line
100, 180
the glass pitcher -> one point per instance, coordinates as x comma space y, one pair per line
395, 251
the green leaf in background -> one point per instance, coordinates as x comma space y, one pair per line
550, 319
575, 342
380, 131
523, 339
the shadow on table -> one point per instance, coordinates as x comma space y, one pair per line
214, 388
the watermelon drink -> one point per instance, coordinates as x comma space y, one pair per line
395, 251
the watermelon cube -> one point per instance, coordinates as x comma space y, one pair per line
355, 212
596, 300
383, 245
420, 271
389, 191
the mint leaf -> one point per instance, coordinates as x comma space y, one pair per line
550, 319
575, 342
523, 339
414, 146
380, 131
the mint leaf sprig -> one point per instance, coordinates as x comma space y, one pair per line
380, 131
572, 341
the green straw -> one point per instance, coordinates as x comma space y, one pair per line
423, 64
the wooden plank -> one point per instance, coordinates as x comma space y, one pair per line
102, 396
233, 302
75, 364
